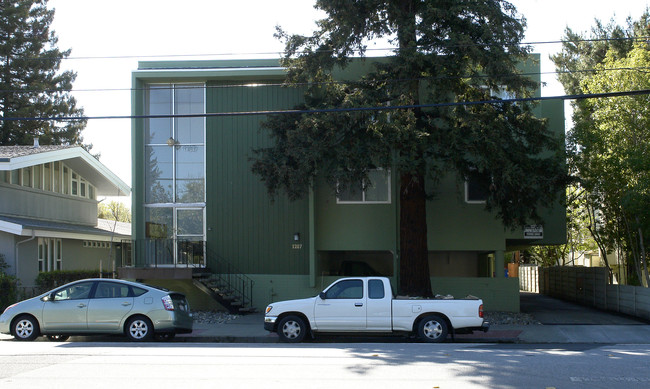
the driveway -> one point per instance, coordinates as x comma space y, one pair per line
551, 311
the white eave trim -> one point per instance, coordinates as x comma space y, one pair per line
11, 228
65, 154
66, 235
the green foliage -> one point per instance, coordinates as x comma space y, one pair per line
579, 239
50, 280
114, 210
8, 285
611, 136
446, 51
8, 290
31, 83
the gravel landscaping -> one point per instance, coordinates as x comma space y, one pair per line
495, 318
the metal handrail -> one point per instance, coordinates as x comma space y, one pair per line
195, 254
235, 280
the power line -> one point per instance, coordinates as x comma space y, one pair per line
335, 110
281, 52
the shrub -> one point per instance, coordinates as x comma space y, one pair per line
8, 289
50, 280
8, 286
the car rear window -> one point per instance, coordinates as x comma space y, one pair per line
138, 291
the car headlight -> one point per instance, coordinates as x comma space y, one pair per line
268, 309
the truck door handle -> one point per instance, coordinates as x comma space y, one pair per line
358, 304
81, 305
126, 304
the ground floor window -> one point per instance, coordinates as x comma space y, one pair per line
175, 235
50, 254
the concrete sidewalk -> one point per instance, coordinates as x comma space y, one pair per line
249, 329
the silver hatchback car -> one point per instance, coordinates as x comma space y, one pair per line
100, 306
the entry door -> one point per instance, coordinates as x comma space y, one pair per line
189, 236
342, 307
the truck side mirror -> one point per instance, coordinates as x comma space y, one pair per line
322, 296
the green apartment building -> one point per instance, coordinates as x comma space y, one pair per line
197, 206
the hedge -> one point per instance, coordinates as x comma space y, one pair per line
8, 288
50, 280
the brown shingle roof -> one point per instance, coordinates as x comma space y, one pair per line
8, 152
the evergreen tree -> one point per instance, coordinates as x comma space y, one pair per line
31, 84
446, 51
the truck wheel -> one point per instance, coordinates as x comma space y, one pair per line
292, 329
433, 329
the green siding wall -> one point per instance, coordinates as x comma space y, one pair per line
244, 225
354, 226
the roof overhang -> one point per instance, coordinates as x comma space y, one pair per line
79, 160
45, 229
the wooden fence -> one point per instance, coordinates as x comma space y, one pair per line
586, 286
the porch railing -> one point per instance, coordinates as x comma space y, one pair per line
160, 253
223, 275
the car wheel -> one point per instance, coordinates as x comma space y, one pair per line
292, 329
165, 336
25, 328
139, 329
433, 329
58, 338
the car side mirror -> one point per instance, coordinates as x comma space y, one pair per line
322, 296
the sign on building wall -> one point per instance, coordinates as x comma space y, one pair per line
534, 232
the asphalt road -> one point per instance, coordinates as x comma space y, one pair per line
173, 365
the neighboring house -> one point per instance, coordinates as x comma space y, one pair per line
48, 212
197, 206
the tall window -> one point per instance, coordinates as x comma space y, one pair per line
50, 254
175, 147
175, 170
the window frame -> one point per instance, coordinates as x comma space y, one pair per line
467, 184
363, 192
177, 147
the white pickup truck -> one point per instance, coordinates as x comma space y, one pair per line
366, 305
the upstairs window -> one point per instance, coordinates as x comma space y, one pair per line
477, 187
375, 191
175, 147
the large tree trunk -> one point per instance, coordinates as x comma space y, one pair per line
414, 259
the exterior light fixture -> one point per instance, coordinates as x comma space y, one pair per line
296, 236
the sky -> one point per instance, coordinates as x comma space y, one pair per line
108, 38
